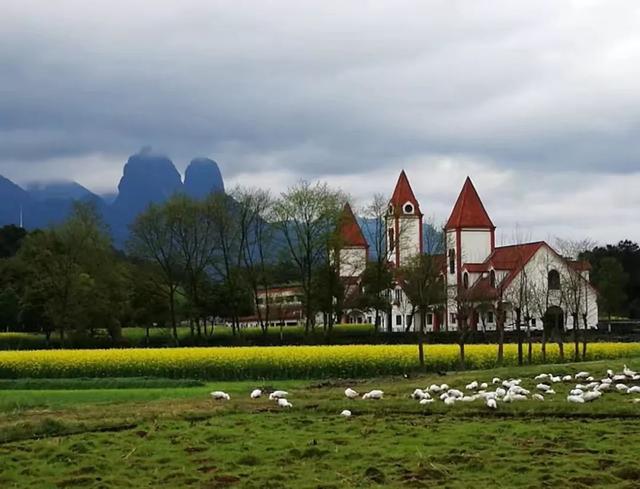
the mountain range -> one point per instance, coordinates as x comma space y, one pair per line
147, 178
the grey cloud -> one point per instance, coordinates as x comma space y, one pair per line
331, 89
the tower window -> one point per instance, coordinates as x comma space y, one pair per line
392, 241
553, 279
452, 261
390, 209
408, 208
465, 280
492, 278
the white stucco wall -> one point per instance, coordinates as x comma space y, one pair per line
408, 239
536, 273
475, 245
352, 261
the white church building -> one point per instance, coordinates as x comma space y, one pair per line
526, 281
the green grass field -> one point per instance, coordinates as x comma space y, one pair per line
129, 434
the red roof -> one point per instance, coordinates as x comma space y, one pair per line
510, 258
476, 267
482, 290
403, 194
350, 232
513, 256
469, 212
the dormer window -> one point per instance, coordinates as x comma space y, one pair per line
390, 209
452, 261
492, 278
408, 208
465, 280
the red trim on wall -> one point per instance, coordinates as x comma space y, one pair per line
397, 240
458, 256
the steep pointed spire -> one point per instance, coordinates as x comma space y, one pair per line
403, 195
469, 212
350, 231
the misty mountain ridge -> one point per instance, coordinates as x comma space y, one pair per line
148, 177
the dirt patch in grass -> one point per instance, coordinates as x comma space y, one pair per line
628, 473
374, 474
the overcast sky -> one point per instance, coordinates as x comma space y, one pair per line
539, 101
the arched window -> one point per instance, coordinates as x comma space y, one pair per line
452, 261
492, 278
553, 279
392, 241
465, 280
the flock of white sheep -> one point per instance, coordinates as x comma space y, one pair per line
586, 390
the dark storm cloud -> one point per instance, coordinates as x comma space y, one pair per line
315, 90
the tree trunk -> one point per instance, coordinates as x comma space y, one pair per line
543, 346
519, 335
584, 337
462, 354
529, 344
172, 307
421, 340
500, 326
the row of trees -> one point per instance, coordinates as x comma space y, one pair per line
198, 260
186, 260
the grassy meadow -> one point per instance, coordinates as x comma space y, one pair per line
128, 432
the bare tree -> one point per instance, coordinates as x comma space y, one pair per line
153, 239
230, 238
255, 214
307, 216
423, 284
574, 288
196, 243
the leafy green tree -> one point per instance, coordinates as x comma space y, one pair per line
11, 238
9, 308
628, 254
69, 273
612, 281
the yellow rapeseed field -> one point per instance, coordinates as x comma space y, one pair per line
280, 362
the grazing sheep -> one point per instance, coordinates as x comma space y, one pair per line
374, 394
350, 393
278, 395
220, 396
